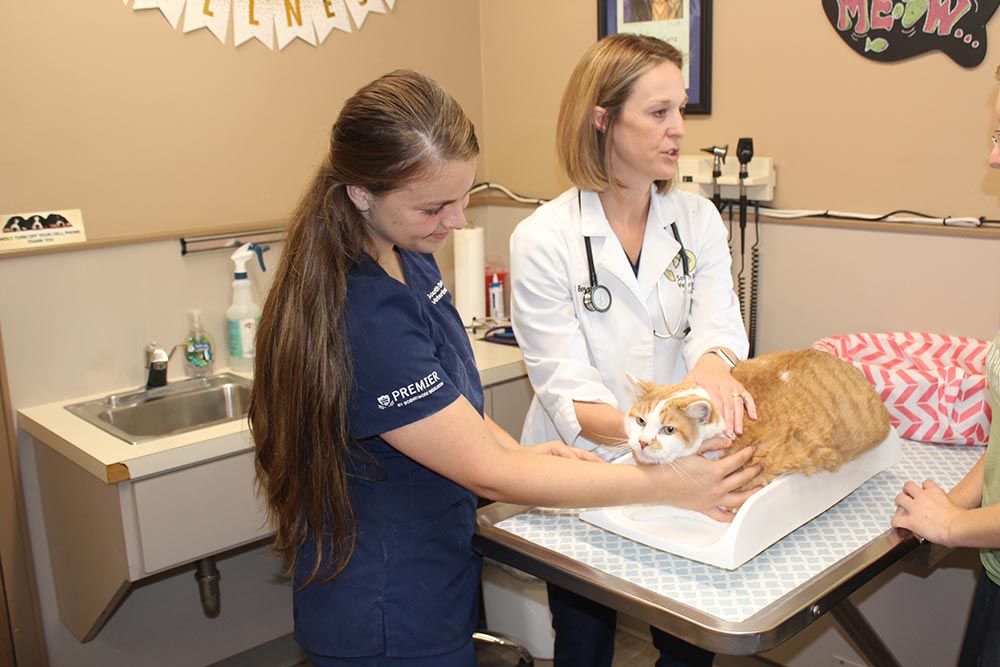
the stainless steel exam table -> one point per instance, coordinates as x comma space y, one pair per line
745, 611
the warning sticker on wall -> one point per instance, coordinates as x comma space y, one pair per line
30, 231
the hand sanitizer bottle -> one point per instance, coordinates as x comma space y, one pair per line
199, 349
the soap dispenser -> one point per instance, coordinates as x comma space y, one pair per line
199, 348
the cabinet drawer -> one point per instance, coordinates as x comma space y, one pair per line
198, 511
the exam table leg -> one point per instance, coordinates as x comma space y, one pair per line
860, 633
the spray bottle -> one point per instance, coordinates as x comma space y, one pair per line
242, 316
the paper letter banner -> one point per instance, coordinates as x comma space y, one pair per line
268, 21
291, 21
361, 8
171, 9
327, 15
252, 19
211, 14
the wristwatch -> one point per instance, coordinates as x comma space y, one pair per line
725, 357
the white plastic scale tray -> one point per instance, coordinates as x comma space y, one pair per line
770, 514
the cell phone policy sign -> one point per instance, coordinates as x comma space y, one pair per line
891, 30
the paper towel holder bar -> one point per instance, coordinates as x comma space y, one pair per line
193, 244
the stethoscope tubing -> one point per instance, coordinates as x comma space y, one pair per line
685, 283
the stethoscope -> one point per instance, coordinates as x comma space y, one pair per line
597, 297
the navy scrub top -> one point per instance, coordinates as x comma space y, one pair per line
411, 588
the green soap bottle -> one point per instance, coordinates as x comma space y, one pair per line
199, 348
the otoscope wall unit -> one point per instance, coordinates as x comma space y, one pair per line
696, 176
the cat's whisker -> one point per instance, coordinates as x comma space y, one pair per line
611, 440
679, 468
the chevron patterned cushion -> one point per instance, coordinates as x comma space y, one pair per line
933, 385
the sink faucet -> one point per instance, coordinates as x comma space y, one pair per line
156, 365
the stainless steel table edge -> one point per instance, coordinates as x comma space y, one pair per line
761, 632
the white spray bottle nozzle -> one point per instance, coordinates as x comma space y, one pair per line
244, 254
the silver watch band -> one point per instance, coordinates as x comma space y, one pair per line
725, 357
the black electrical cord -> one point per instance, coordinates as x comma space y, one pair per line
754, 282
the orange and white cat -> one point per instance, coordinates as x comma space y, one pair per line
815, 412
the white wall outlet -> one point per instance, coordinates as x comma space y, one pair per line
844, 662
696, 176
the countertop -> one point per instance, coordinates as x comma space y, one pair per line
112, 460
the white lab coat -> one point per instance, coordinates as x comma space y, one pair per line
575, 354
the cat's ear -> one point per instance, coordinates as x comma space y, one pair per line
700, 411
636, 386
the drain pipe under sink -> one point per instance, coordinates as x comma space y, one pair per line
207, 575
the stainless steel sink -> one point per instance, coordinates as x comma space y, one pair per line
181, 406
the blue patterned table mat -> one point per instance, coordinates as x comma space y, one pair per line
738, 594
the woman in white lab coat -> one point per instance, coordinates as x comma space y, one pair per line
655, 299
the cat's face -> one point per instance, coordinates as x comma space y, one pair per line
667, 422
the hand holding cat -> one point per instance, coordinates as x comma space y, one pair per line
728, 396
710, 487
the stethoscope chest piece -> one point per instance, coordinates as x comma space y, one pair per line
596, 298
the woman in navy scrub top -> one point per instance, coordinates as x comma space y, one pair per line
367, 411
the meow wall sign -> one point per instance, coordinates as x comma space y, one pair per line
891, 30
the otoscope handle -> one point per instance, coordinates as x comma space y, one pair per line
743, 220
744, 153
743, 208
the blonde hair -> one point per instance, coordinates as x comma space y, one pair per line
604, 77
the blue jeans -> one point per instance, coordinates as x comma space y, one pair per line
585, 635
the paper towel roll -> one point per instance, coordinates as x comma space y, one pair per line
470, 265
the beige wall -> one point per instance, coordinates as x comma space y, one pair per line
792, 90
845, 133
148, 129
151, 131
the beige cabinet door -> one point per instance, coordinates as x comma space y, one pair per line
507, 403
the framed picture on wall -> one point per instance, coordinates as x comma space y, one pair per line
686, 24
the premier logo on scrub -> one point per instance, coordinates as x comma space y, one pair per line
411, 392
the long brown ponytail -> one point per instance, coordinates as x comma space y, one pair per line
390, 132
